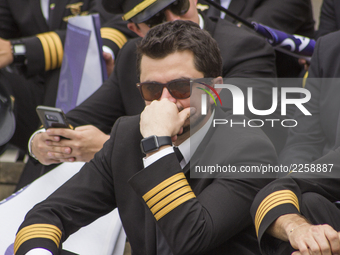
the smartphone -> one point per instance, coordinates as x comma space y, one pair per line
52, 117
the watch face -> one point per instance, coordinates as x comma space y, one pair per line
19, 49
149, 144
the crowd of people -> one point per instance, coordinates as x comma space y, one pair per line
143, 131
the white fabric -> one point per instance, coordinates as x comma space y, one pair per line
30, 141
104, 236
147, 161
108, 50
225, 4
201, 21
39, 251
44, 4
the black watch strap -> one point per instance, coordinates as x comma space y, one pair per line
153, 143
164, 140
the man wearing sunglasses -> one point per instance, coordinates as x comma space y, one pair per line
244, 55
163, 210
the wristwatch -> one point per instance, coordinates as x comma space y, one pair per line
18, 51
153, 143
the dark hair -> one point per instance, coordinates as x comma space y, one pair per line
180, 35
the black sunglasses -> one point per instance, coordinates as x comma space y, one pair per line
179, 89
179, 7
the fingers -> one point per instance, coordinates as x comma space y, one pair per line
64, 132
60, 157
186, 113
316, 240
296, 253
60, 150
333, 239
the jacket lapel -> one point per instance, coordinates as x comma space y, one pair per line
219, 113
39, 17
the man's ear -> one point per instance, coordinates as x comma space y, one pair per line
132, 26
217, 80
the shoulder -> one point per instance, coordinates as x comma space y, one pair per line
324, 56
127, 124
127, 55
225, 29
326, 43
241, 40
128, 52
131, 45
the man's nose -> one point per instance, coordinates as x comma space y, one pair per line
170, 16
166, 94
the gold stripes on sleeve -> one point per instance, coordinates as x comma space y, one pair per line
37, 231
113, 35
168, 195
53, 50
273, 200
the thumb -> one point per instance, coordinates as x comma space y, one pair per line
186, 113
296, 253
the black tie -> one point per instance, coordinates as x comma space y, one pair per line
178, 154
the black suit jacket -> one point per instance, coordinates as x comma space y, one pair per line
212, 218
316, 135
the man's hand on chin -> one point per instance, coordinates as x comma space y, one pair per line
162, 118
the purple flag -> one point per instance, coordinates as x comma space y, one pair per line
295, 45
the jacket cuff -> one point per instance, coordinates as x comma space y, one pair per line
38, 236
113, 38
162, 186
44, 52
266, 214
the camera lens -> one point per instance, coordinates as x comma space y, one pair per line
51, 117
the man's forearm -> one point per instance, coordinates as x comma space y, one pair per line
286, 224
